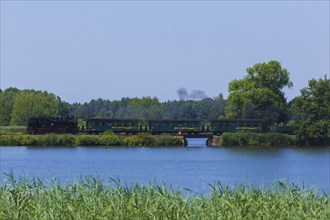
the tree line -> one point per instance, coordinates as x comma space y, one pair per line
259, 94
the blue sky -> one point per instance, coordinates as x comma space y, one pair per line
82, 50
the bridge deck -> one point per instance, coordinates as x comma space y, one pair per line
201, 135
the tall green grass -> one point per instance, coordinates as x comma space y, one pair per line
96, 199
42, 140
9, 130
106, 139
256, 139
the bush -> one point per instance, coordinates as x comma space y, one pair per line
87, 140
168, 140
256, 139
56, 140
5, 130
28, 140
109, 139
141, 139
130, 141
9, 140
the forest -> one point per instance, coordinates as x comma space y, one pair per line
259, 94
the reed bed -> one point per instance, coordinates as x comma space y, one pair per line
107, 139
93, 198
11, 130
256, 139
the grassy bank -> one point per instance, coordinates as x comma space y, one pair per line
95, 199
106, 139
10, 130
255, 139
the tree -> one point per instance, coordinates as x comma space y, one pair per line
311, 112
259, 94
30, 103
144, 102
7, 98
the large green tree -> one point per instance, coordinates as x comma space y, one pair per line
7, 98
311, 112
260, 93
30, 103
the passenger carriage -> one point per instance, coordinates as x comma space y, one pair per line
184, 126
99, 125
219, 126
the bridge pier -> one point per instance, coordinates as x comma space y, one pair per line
213, 141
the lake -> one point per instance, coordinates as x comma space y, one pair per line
192, 167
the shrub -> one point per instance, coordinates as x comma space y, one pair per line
87, 140
109, 139
256, 139
9, 140
55, 140
168, 140
5, 130
145, 139
28, 140
141, 139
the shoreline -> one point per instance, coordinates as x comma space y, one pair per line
237, 139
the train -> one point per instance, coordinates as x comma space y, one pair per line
42, 125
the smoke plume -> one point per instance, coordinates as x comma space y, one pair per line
194, 95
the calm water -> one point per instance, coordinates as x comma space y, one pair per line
193, 167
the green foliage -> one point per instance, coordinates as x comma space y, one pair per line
145, 139
7, 98
311, 112
109, 139
28, 140
144, 102
150, 108
312, 133
256, 139
56, 140
87, 140
43, 140
168, 140
93, 198
18, 140
9, 140
29, 103
141, 139
5, 130
106, 139
259, 94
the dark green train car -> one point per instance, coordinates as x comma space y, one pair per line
184, 126
99, 125
44, 125
234, 125
287, 129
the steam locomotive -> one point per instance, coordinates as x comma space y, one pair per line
42, 125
